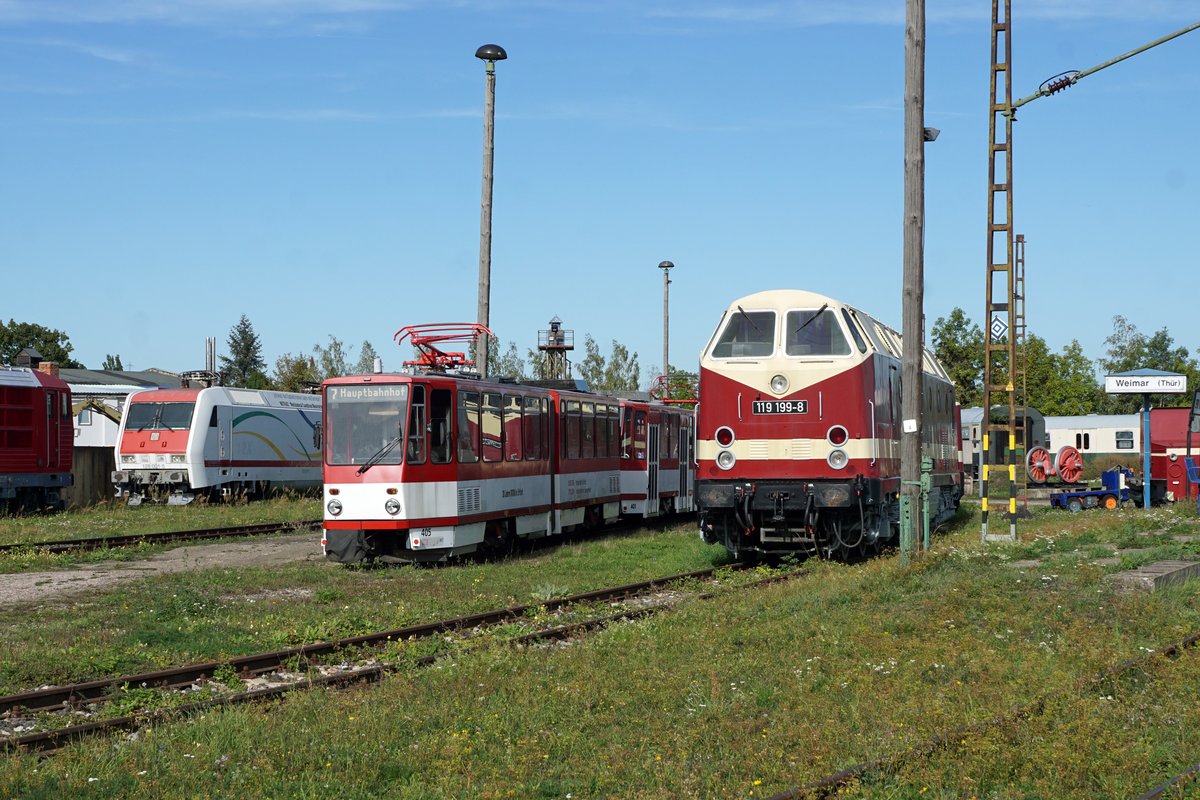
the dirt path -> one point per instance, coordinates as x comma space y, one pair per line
32, 587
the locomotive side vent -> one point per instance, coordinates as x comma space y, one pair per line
468, 500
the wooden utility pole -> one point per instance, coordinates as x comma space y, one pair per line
914, 274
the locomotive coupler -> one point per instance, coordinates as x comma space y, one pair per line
779, 498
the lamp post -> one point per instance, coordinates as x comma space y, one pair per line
491, 53
666, 267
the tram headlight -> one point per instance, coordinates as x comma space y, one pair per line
726, 459
838, 459
334, 507
392, 506
779, 384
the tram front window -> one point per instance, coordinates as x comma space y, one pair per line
362, 421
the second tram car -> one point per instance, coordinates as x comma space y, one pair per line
429, 465
799, 424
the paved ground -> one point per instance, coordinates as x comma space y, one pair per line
42, 586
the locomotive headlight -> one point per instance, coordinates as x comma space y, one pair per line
392, 506
779, 384
128, 459
838, 459
726, 459
724, 436
334, 507
177, 458
837, 435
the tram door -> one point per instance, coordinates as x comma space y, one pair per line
652, 456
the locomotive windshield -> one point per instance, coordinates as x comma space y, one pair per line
362, 420
159, 416
747, 334
815, 333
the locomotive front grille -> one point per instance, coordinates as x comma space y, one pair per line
759, 449
800, 449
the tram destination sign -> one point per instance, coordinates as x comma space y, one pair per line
780, 407
1145, 384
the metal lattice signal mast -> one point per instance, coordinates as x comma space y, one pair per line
1005, 318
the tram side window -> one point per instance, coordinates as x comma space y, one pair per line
533, 429
547, 432
574, 420
415, 454
1124, 440
491, 426
587, 431
612, 423
627, 433
440, 412
639, 435
513, 435
468, 427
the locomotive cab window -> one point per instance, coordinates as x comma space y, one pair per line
814, 332
747, 334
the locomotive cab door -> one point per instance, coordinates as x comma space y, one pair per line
53, 431
652, 456
224, 417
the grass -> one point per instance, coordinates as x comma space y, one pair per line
203, 615
744, 695
120, 520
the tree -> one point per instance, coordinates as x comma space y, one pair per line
244, 366
53, 345
1128, 349
366, 359
1059, 384
112, 363
510, 365
295, 373
958, 345
618, 373
331, 360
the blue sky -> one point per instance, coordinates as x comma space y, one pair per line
316, 165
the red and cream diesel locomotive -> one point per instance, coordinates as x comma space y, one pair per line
427, 465
798, 429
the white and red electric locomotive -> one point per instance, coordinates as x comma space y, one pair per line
431, 464
798, 434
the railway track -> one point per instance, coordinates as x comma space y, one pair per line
831, 785
289, 670
109, 542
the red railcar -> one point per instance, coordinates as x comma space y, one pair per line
658, 468
421, 467
799, 426
37, 440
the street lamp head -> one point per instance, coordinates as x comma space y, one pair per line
666, 265
491, 53
931, 134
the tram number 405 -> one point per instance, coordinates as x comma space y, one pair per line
780, 407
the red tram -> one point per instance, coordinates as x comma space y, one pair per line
428, 465
798, 436
37, 439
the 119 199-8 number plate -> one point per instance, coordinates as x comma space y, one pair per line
780, 407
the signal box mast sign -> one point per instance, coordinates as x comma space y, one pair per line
1145, 382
